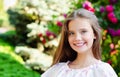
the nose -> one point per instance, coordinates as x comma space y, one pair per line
78, 37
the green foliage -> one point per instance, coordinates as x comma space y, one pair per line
19, 18
40, 13
54, 28
10, 37
1, 5
11, 64
1, 22
11, 68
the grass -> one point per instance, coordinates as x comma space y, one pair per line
11, 65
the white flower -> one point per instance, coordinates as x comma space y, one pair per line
36, 29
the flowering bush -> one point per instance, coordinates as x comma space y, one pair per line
38, 21
47, 27
38, 24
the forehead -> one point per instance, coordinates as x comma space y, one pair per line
79, 23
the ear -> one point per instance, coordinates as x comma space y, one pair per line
94, 37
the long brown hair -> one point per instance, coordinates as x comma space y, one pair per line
64, 52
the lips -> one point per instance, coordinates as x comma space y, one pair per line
79, 44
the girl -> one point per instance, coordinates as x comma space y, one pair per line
79, 51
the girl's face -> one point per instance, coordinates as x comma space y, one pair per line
80, 35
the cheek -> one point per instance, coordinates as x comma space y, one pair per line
70, 39
90, 39
90, 36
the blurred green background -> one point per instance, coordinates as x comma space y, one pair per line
30, 32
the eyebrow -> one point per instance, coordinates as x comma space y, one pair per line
79, 29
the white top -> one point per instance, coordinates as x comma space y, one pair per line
99, 69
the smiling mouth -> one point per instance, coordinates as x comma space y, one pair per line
79, 44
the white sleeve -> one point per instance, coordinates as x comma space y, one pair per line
52, 71
108, 71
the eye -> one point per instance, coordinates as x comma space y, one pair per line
83, 31
70, 33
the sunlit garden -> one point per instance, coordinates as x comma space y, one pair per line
30, 32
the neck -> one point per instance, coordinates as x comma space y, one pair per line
84, 60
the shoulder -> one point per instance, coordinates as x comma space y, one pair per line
105, 69
57, 66
53, 69
105, 66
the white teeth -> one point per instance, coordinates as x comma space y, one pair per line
79, 44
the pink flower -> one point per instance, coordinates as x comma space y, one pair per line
112, 46
118, 32
102, 9
113, 32
109, 8
59, 23
109, 61
110, 15
40, 35
114, 20
43, 41
65, 15
113, 1
91, 9
48, 34
87, 5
